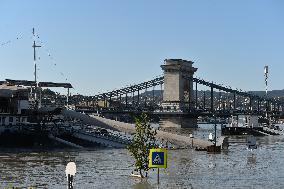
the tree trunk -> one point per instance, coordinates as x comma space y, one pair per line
140, 171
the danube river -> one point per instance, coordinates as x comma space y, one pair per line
110, 168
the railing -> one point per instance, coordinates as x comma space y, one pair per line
130, 89
160, 80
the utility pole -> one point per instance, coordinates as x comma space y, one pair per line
34, 47
266, 88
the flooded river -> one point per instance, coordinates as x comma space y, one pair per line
110, 168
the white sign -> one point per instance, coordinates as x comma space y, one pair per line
210, 137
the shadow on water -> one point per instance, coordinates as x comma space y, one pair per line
143, 184
251, 160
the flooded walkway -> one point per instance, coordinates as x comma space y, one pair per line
180, 140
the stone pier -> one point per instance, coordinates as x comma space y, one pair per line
177, 121
178, 94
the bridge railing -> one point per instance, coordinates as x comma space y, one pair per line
193, 104
130, 89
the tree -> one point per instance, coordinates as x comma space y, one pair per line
143, 140
48, 92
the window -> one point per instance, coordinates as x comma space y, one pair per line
23, 119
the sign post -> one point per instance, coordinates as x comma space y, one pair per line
158, 175
158, 159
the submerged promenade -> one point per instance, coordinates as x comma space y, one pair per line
179, 140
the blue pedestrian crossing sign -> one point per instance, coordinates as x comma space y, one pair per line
158, 158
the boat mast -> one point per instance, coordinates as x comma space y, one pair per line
35, 67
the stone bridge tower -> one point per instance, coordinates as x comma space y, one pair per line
178, 93
178, 89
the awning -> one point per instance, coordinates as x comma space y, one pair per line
20, 82
51, 84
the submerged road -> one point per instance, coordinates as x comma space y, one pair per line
180, 140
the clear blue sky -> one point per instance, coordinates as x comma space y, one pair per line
106, 44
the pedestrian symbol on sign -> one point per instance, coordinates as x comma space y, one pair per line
158, 158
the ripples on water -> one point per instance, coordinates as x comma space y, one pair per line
110, 168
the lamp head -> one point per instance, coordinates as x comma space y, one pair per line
70, 169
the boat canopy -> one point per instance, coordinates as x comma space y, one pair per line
51, 84
40, 84
20, 82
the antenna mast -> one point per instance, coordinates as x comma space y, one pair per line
266, 78
34, 47
266, 86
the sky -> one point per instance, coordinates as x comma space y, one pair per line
101, 45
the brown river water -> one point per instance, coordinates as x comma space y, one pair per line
110, 168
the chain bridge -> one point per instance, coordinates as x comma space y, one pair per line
178, 101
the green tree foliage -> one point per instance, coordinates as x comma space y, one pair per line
143, 140
48, 92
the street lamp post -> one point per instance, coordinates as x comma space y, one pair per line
70, 173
